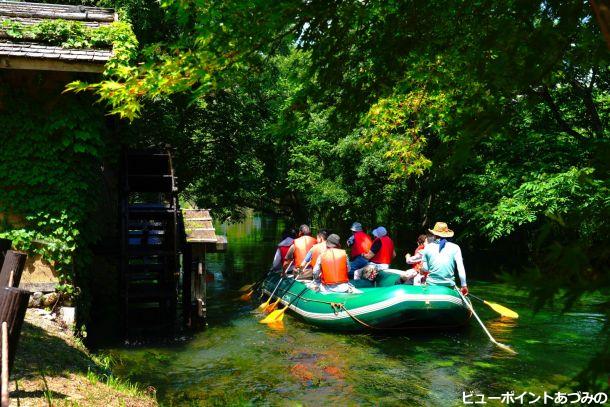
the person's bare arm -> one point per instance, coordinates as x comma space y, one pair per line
414, 259
277, 259
317, 268
290, 253
459, 262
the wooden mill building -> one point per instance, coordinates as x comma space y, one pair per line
143, 268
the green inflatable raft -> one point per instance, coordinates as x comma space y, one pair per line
386, 304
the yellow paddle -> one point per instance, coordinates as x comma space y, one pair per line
274, 305
247, 296
491, 338
277, 315
246, 287
266, 303
500, 309
254, 286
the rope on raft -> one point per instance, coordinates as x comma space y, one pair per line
340, 306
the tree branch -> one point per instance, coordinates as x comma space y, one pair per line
587, 97
563, 124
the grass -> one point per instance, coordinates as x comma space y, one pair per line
52, 368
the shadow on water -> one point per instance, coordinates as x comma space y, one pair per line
237, 360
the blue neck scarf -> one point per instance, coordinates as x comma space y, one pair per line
441, 244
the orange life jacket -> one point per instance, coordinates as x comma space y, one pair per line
362, 244
334, 267
417, 266
301, 248
385, 253
316, 251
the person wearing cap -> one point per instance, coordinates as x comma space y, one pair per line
282, 249
317, 249
382, 250
297, 252
442, 258
331, 268
360, 243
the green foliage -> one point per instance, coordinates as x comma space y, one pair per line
49, 167
548, 194
218, 152
69, 34
490, 116
117, 35
54, 237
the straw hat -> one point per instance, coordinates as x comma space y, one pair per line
441, 229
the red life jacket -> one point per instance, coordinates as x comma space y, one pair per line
386, 252
283, 252
302, 245
334, 267
316, 251
362, 244
417, 266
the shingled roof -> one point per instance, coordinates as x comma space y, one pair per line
15, 54
199, 228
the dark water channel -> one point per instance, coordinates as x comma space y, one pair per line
237, 361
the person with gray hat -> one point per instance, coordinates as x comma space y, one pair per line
361, 244
331, 268
382, 250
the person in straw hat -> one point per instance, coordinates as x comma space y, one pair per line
441, 258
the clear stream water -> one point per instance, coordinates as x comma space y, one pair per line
238, 361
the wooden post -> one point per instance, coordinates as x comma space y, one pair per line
13, 305
205, 285
199, 277
187, 278
14, 263
5, 245
5, 359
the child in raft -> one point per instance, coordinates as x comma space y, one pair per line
415, 275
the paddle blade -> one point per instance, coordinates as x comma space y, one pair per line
245, 288
276, 326
272, 306
269, 319
502, 310
273, 317
280, 316
264, 304
506, 348
247, 296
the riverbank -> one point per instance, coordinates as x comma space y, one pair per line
52, 367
